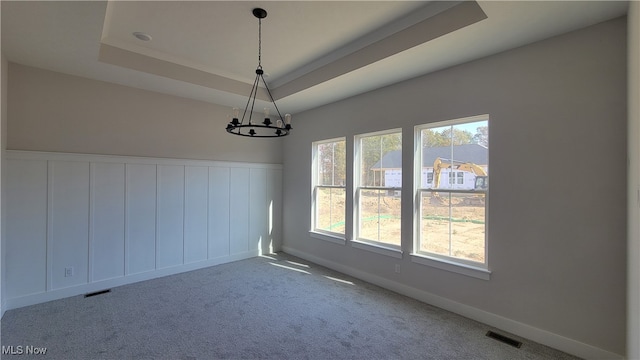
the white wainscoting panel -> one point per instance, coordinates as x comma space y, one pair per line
26, 224
106, 241
68, 219
114, 220
140, 239
274, 199
170, 224
196, 213
239, 210
219, 211
258, 208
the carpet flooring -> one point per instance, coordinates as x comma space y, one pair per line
269, 307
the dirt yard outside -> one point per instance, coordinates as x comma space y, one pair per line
457, 230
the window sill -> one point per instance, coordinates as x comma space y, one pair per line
326, 237
377, 248
464, 269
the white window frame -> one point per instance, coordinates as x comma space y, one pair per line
449, 263
322, 234
361, 243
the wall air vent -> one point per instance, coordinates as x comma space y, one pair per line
504, 339
97, 293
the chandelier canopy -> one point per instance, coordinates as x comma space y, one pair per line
266, 128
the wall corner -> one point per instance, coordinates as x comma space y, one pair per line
633, 202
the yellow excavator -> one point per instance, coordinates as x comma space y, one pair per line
481, 183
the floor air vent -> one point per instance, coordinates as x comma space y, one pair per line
97, 293
504, 339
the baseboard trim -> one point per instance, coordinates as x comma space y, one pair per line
541, 336
38, 298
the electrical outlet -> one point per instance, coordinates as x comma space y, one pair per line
68, 272
397, 268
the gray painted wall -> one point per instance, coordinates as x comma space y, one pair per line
633, 287
557, 210
3, 145
56, 112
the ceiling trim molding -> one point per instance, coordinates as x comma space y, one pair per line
116, 56
451, 19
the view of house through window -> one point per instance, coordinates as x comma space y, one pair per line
378, 187
454, 176
329, 186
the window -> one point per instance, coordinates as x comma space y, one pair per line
451, 211
378, 179
455, 177
329, 194
430, 177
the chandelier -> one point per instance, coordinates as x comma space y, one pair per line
266, 128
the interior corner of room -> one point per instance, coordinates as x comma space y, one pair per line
116, 169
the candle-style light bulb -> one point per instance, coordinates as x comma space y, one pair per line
287, 121
234, 119
266, 121
279, 123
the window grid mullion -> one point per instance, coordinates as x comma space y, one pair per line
380, 184
451, 184
333, 163
450, 224
330, 209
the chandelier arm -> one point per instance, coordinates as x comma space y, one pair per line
255, 94
271, 97
254, 91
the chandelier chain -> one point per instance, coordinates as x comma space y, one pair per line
260, 43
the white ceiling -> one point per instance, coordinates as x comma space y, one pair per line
314, 52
